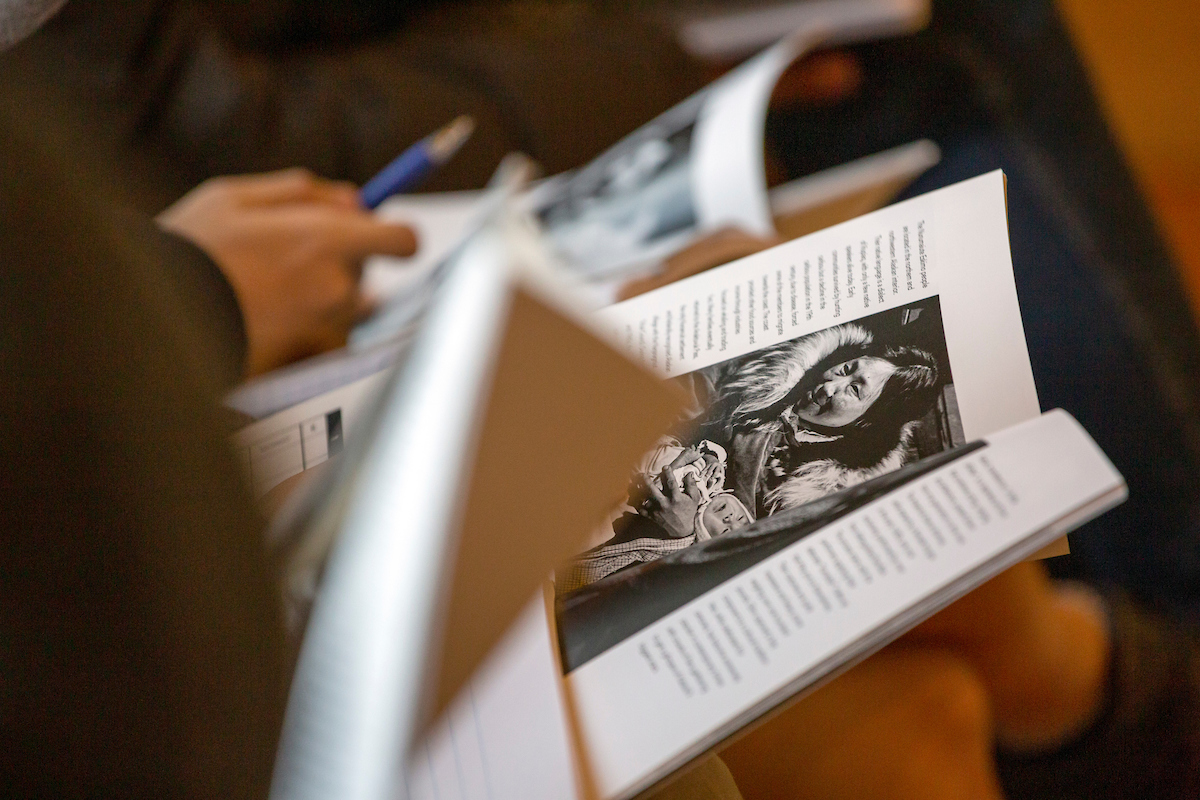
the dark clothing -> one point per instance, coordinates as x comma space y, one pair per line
141, 646
1146, 742
212, 304
182, 90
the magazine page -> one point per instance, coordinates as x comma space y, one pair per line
940, 262
692, 169
826, 361
806, 601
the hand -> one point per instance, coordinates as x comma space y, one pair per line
687, 455
292, 247
673, 507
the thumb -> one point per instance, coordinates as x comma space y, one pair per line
361, 235
364, 306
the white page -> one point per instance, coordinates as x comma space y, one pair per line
440, 220
733, 30
680, 685
505, 737
898, 166
950, 244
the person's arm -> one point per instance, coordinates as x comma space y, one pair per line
142, 647
201, 286
291, 245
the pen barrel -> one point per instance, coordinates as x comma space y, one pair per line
403, 174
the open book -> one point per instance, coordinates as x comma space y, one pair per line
826, 527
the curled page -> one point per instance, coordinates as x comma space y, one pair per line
692, 169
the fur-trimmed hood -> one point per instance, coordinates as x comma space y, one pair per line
756, 383
815, 479
747, 387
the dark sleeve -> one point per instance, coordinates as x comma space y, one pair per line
1146, 742
212, 307
141, 646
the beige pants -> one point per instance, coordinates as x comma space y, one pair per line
709, 779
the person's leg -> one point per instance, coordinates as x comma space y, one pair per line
707, 780
906, 723
1082, 332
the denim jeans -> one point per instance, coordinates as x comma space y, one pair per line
1110, 334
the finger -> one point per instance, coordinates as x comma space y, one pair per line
656, 495
359, 235
294, 185
690, 487
364, 307
686, 456
670, 482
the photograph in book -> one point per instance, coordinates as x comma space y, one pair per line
774, 430
605, 613
635, 199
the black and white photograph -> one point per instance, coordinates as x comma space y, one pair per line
605, 613
631, 203
772, 431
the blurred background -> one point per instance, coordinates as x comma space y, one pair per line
1144, 62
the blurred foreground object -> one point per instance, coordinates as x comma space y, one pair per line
503, 438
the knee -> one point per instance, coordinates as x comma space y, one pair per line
945, 706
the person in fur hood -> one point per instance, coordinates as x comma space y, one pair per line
804, 418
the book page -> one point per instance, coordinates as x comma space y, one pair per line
505, 736
804, 602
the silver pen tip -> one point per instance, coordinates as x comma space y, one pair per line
449, 139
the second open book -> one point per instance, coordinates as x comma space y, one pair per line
863, 444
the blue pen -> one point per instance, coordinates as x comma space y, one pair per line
409, 168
